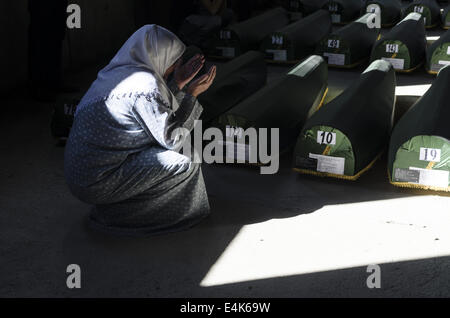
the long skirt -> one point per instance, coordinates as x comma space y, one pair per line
155, 191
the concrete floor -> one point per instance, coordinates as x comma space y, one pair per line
284, 235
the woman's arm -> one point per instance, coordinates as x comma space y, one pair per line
176, 91
190, 109
156, 116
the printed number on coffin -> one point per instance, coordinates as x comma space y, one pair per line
225, 35
418, 9
326, 138
231, 131
334, 44
277, 39
333, 7
391, 48
430, 154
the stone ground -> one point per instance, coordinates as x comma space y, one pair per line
285, 235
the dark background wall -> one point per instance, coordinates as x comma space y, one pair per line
105, 25
14, 46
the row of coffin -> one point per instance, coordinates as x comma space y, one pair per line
340, 139
404, 45
346, 11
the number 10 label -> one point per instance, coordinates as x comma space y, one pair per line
430, 154
326, 138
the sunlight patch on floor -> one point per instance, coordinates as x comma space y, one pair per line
412, 90
337, 237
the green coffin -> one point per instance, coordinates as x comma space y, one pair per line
346, 136
429, 9
344, 11
351, 45
404, 45
446, 18
297, 40
235, 81
247, 35
419, 151
391, 11
438, 54
285, 104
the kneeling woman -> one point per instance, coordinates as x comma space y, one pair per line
120, 153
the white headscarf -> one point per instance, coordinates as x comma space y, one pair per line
152, 47
139, 68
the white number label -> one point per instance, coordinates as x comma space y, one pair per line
398, 64
441, 62
335, 59
326, 138
231, 132
225, 35
333, 7
418, 9
333, 44
227, 51
436, 178
336, 18
277, 39
278, 55
430, 154
329, 164
391, 48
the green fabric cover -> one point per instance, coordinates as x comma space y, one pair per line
350, 44
429, 9
438, 54
362, 118
413, 160
425, 125
308, 144
235, 81
391, 11
297, 40
239, 38
285, 103
404, 45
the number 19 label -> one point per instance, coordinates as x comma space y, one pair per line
326, 138
430, 154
